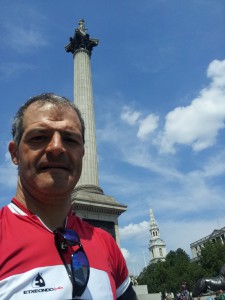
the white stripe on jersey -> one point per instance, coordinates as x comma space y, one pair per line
16, 210
54, 284
123, 287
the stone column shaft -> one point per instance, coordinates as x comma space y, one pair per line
83, 98
89, 201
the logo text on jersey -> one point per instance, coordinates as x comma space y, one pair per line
39, 286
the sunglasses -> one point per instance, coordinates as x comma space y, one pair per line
79, 273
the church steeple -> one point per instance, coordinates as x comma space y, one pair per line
157, 246
154, 230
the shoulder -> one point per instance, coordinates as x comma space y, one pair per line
4, 215
87, 231
1, 213
3, 210
100, 244
6, 221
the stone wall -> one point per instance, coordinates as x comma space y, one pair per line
142, 293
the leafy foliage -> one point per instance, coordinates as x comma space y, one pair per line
168, 276
212, 258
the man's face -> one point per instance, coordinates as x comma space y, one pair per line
49, 156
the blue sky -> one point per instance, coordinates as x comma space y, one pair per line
159, 92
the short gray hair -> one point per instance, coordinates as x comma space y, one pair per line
17, 125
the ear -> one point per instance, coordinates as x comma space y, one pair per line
13, 150
83, 151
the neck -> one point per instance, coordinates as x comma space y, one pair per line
52, 211
53, 219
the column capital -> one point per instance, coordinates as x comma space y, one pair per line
81, 40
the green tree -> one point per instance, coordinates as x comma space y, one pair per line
168, 276
154, 276
212, 258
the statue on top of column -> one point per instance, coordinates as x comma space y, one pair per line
81, 40
82, 26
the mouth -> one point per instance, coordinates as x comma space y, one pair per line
53, 167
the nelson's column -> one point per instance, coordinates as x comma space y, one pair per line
90, 203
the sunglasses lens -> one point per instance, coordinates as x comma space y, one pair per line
69, 235
80, 268
79, 262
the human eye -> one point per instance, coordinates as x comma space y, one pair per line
73, 139
37, 137
70, 140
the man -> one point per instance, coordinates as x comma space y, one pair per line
46, 252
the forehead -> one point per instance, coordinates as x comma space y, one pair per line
49, 114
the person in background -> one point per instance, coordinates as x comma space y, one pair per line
47, 252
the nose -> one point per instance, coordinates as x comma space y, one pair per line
55, 145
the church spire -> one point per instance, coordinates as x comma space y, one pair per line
154, 230
157, 246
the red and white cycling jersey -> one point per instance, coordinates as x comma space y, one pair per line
31, 268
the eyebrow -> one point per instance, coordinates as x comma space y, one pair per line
67, 132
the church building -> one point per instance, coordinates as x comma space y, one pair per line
157, 246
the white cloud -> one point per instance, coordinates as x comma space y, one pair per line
216, 71
133, 230
198, 124
136, 238
8, 173
188, 195
8, 179
129, 116
147, 126
171, 232
215, 165
11, 69
24, 39
126, 253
